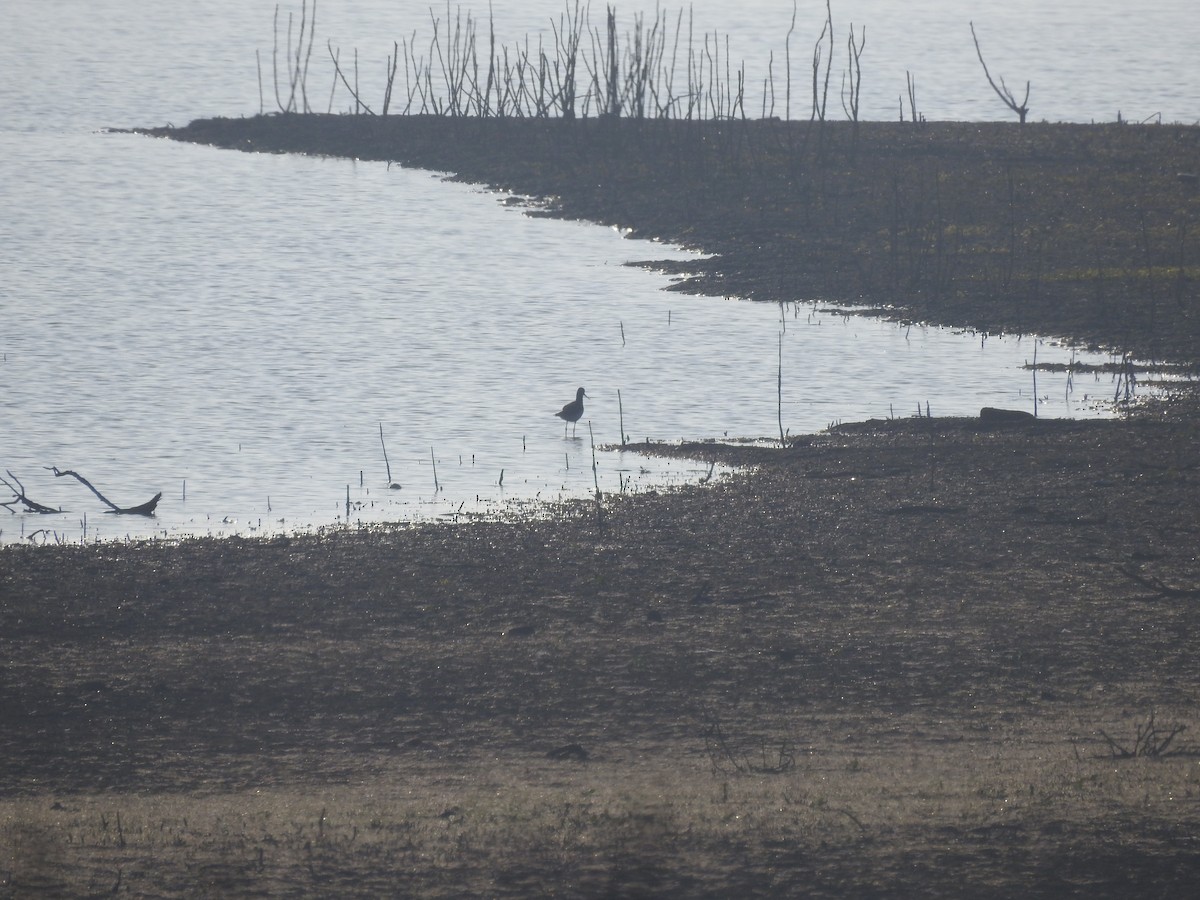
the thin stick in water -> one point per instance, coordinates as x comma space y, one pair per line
1035, 396
385, 457
436, 486
595, 471
779, 390
621, 413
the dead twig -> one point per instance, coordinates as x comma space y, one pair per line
1002, 91
724, 758
1149, 740
358, 101
18, 490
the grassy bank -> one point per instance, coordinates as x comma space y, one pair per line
921, 657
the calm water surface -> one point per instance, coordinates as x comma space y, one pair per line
233, 329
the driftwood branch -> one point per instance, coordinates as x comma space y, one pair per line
144, 509
1002, 91
18, 490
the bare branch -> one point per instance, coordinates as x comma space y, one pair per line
18, 490
1002, 91
338, 69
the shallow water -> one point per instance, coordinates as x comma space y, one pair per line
233, 329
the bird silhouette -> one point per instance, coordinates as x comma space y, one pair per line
572, 412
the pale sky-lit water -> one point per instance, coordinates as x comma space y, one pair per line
233, 329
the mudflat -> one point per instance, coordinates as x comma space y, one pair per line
917, 657
1087, 232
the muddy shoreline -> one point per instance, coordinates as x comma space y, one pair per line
880, 661
1084, 232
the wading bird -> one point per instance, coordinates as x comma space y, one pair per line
572, 412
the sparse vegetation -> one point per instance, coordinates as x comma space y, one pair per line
1149, 740
656, 69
